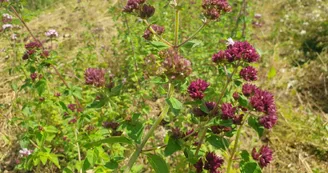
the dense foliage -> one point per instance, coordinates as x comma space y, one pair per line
169, 97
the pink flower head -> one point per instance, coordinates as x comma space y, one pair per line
199, 166
95, 76
6, 18
51, 33
248, 73
263, 101
219, 57
147, 11
228, 112
264, 156
242, 51
25, 152
196, 89
213, 162
249, 89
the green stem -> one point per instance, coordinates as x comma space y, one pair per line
154, 32
234, 149
136, 154
140, 147
193, 35
201, 139
177, 20
78, 147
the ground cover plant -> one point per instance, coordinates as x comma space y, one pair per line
173, 103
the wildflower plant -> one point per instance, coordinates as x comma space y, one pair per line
102, 123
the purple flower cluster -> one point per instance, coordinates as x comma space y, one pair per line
196, 89
175, 66
95, 76
112, 125
249, 89
264, 156
31, 49
158, 29
212, 163
33, 76
139, 8
237, 51
248, 73
214, 8
217, 129
228, 112
263, 101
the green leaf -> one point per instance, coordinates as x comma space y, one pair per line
243, 101
111, 165
116, 90
50, 129
172, 147
248, 165
175, 105
218, 142
41, 86
193, 43
43, 158
158, 163
254, 123
135, 131
272, 73
98, 103
90, 160
54, 159
159, 45
110, 140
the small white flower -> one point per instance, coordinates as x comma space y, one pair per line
6, 26
230, 42
306, 23
25, 152
13, 37
52, 33
257, 15
303, 32
7, 16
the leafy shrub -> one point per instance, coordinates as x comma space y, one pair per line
105, 124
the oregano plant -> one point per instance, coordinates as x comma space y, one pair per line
103, 124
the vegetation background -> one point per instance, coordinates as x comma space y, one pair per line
291, 35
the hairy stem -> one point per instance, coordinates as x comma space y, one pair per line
136, 154
140, 147
201, 139
78, 147
177, 22
235, 146
193, 35
155, 33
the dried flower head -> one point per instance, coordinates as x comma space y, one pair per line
95, 76
158, 29
214, 8
196, 89
174, 65
146, 11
